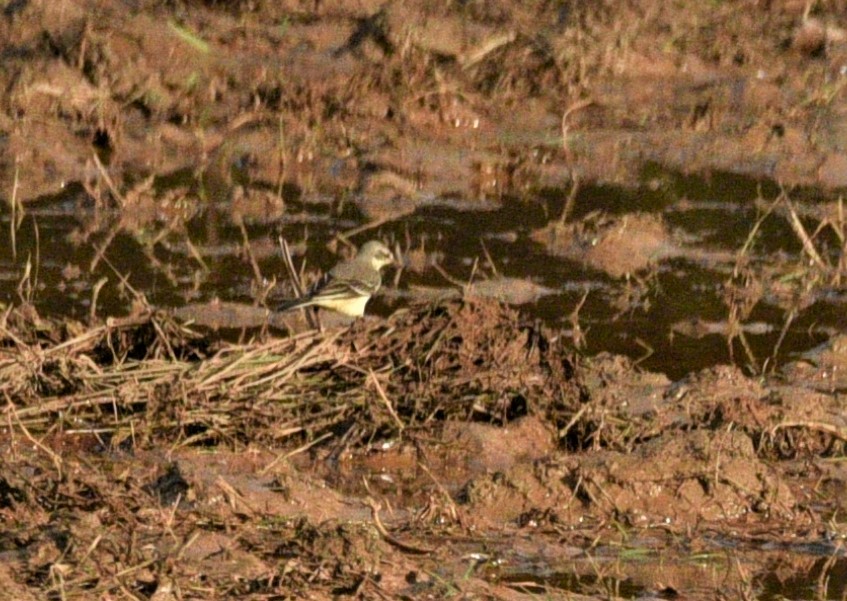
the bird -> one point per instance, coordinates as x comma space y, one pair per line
347, 287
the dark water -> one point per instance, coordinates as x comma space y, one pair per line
71, 246
633, 572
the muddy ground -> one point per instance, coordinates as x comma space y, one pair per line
447, 445
449, 450
405, 100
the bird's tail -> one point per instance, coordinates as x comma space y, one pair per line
293, 303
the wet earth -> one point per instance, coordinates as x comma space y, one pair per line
607, 365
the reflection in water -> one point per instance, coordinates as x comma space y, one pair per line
174, 248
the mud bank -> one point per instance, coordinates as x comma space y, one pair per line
404, 102
432, 453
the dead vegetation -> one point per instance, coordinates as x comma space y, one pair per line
145, 378
795, 282
144, 458
88, 511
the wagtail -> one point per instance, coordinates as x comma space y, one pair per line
348, 286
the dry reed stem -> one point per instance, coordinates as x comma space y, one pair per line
386, 402
808, 245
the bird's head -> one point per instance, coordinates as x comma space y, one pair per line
376, 253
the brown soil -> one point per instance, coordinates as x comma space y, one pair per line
457, 448
142, 459
404, 100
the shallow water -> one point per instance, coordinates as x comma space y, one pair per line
71, 246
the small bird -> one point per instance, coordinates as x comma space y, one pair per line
348, 286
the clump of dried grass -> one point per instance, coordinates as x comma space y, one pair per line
147, 377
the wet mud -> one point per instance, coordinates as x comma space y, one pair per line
609, 364
424, 454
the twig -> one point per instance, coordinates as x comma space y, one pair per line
111, 185
578, 334
57, 461
290, 454
233, 496
448, 277
95, 293
289, 266
752, 235
487, 46
571, 200
648, 350
375, 509
257, 272
345, 236
792, 315
385, 400
832, 429
576, 417
489, 259
808, 245
454, 511
101, 252
295, 279
16, 205
577, 106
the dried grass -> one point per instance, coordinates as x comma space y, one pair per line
147, 378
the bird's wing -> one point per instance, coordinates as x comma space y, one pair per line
342, 288
330, 290
362, 278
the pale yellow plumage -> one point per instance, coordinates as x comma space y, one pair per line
348, 286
